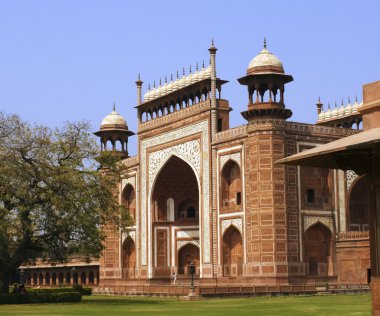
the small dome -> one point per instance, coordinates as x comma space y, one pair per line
328, 113
321, 116
114, 118
208, 72
182, 82
334, 112
341, 111
355, 107
348, 109
265, 62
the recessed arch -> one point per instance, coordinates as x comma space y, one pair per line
232, 252
358, 205
129, 200
230, 187
318, 250
187, 254
128, 257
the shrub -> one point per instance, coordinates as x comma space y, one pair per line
75, 288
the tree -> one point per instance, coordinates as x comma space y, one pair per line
54, 199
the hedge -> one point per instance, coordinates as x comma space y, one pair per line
83, 291
40, 298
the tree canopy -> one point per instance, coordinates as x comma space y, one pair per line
53, 197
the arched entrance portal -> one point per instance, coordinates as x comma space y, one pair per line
232, 252
186, 255
175, 204
129, 258
318, 250
358, 205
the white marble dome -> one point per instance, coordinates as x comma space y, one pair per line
265, 61
114, 118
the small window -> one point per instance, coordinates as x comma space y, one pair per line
238, 198
310, 196
191, 212
220, 125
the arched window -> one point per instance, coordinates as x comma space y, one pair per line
231, 187
188, 209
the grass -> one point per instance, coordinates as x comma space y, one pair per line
280, 306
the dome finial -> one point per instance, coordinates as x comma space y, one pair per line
196, 68
154, 84
114, 107
212, 41
183, 71
138, 76
356, 98
190, 69
177, 74
149, 87
265, 42
349, 100
171, 77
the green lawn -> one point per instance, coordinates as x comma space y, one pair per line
279, 306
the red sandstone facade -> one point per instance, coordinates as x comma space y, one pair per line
202, 192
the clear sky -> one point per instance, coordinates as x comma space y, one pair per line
68, 60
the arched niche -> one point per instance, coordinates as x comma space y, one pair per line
128, 257
358, 204
129, 200
231, 187
232, 252
318, 250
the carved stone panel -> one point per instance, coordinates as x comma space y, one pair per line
310, 220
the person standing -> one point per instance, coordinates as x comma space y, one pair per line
174, 276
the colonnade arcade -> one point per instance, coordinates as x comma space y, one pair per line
62, 276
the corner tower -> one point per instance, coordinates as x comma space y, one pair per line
266, 81
268, 249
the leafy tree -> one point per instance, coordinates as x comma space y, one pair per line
54, 199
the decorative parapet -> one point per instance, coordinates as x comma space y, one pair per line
179, 83
175, 116
345, 111
233, 133
353, 235
303, 128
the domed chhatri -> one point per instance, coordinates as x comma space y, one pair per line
114, 129
265, 62
113, 120
265, 80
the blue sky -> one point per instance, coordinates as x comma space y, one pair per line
70, 60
